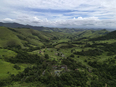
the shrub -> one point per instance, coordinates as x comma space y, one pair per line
17, 67
72, 55
46, 56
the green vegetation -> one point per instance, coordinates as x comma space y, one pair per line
7, 53
57, 58
7, 68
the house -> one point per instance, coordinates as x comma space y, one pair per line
60, 67
43, 73
54, 67
64, 67
63, 55
57, 72
40, 52
76, 69
89, 70
56, 54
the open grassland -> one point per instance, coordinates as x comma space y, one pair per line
36, 84
7, 68
7, 38
106, 41
7, 53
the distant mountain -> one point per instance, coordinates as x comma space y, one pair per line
16, 25
41, 28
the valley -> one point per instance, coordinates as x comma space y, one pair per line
57, 58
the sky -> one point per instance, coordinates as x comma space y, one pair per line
60, 13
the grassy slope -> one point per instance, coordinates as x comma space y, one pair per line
91, 33
7, 37
17, 84
11, 36
30, 36
6, 53
111, 35
6, 67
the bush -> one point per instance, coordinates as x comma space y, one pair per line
46, 56
72, 55
17, 67
85, 60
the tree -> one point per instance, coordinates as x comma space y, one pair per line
72, 55
17, 67
46, 56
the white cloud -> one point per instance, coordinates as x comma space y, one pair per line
70, 13
8, 20
89, 18
90, 22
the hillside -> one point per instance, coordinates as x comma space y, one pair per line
7, 38
90, 33
11, 36
111, 35
29, 37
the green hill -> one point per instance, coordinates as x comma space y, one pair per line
22, 37
92, 33
29, 37
8, 38
111, 35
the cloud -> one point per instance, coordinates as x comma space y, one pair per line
8, 20
80, 22
60, 13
